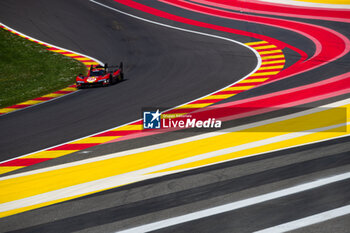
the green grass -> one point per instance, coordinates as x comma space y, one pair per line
28, 70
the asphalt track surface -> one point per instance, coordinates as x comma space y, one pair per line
159, 71
154, 79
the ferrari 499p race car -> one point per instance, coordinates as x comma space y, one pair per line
101, 76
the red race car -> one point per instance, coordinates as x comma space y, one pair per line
101, 76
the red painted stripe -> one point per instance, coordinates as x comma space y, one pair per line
274, 64
272, 59
19, 106
74, 146
227, 92
288, 98
23, 162
163, 14
44, 98
263, 50
280, 9
270, 54
78, 56
330, 45
86, 60
137, 123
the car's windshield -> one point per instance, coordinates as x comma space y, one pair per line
97, 72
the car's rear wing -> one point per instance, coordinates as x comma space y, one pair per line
105, 67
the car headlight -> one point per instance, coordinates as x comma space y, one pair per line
80, 81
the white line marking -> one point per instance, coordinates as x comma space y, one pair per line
164, 25
138, 175
184, 140
304, 222
237, 205
309, 4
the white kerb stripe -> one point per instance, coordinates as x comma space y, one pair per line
236, 205
304, 222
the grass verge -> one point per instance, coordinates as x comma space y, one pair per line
28, 70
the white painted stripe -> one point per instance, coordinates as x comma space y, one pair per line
308, 4
237, 205
164, 25
101, 63
181, 141
304, 222
142, 174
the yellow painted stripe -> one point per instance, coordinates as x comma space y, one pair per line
4, 170
72, 55
34, 184
83, 59
194, 106
52, 95
129, 127
265, 47
50, 154
254, 80
271, 67
6, 110
238, 88
31, 102
272, 62
213, 97
262, 149
58, 51
264, 74
95, 139
90, 63
271, 52
272, 57
256, 43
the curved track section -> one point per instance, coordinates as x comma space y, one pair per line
277, 167
159, 71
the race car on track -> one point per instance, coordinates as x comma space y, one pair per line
101, 76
